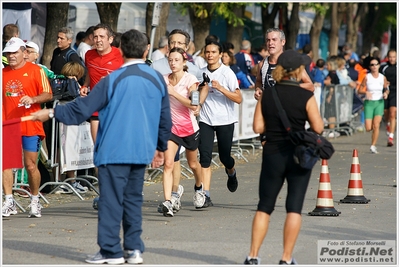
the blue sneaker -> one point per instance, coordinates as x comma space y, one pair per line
100, 259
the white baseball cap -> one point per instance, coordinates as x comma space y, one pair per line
33, 45
13, 45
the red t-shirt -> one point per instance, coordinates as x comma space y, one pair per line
29, 80
99, 66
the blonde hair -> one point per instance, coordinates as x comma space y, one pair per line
340, 62
73, 68
279, 73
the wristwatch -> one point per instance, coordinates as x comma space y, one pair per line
51, 113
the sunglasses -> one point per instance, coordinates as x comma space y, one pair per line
372, 65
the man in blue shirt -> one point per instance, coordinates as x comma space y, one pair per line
131, 135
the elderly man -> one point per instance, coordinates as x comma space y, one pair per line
25, 88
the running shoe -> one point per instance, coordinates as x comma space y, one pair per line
101, 259
252, 261
9, 208
373, 150
232, 182
133, 256
35, 209
390, 141
79, 188
167, 208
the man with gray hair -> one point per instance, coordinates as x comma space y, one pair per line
162, 50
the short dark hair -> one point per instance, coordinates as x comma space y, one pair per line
133, 44
320, 63
90, 30
106, 27
210, 38
307, 48
80, 36
227, 46
217, 44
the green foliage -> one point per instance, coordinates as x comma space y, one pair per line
221, 9
319, 8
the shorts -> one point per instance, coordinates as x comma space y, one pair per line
31, 143
190, 142
391, 100
373, 108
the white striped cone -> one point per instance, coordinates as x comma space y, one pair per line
355, 185
325, 203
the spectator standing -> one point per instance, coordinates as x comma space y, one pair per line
79, 39
86, 44
228, 59
33, 54
142, 135
278, 162
330, 105
25, 88
185, 130
389, 70
162, 50
9, 31
246, 61
59, 59
217, 116
374, 85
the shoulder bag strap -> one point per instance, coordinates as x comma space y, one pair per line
281, 111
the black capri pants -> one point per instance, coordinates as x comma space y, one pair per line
275, 169
224, 135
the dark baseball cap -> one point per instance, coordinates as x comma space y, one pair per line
291, 60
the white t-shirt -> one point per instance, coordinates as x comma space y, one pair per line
218, 109
82, 49
157, 54
375, 86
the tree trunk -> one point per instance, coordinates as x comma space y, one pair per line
369, 36
293, 26
109, 14
315, 32
268, 18
351, 35
201, 26
333, 45
361, 12
163, 19
57, 17
234, 33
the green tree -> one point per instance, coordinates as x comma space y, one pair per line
201, 15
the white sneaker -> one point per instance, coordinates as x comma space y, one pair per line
373, 150
35, 209
9, 208
176, 201
133, 256
334, 134
199, 198
80, 188
167, 208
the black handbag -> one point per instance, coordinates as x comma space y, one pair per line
64, 88
309, 146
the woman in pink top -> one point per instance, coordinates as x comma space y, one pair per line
185, 129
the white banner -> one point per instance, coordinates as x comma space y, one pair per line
76, 147
247, 114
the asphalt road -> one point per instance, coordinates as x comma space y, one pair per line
219, 235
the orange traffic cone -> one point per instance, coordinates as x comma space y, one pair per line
324, 204
355, 185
